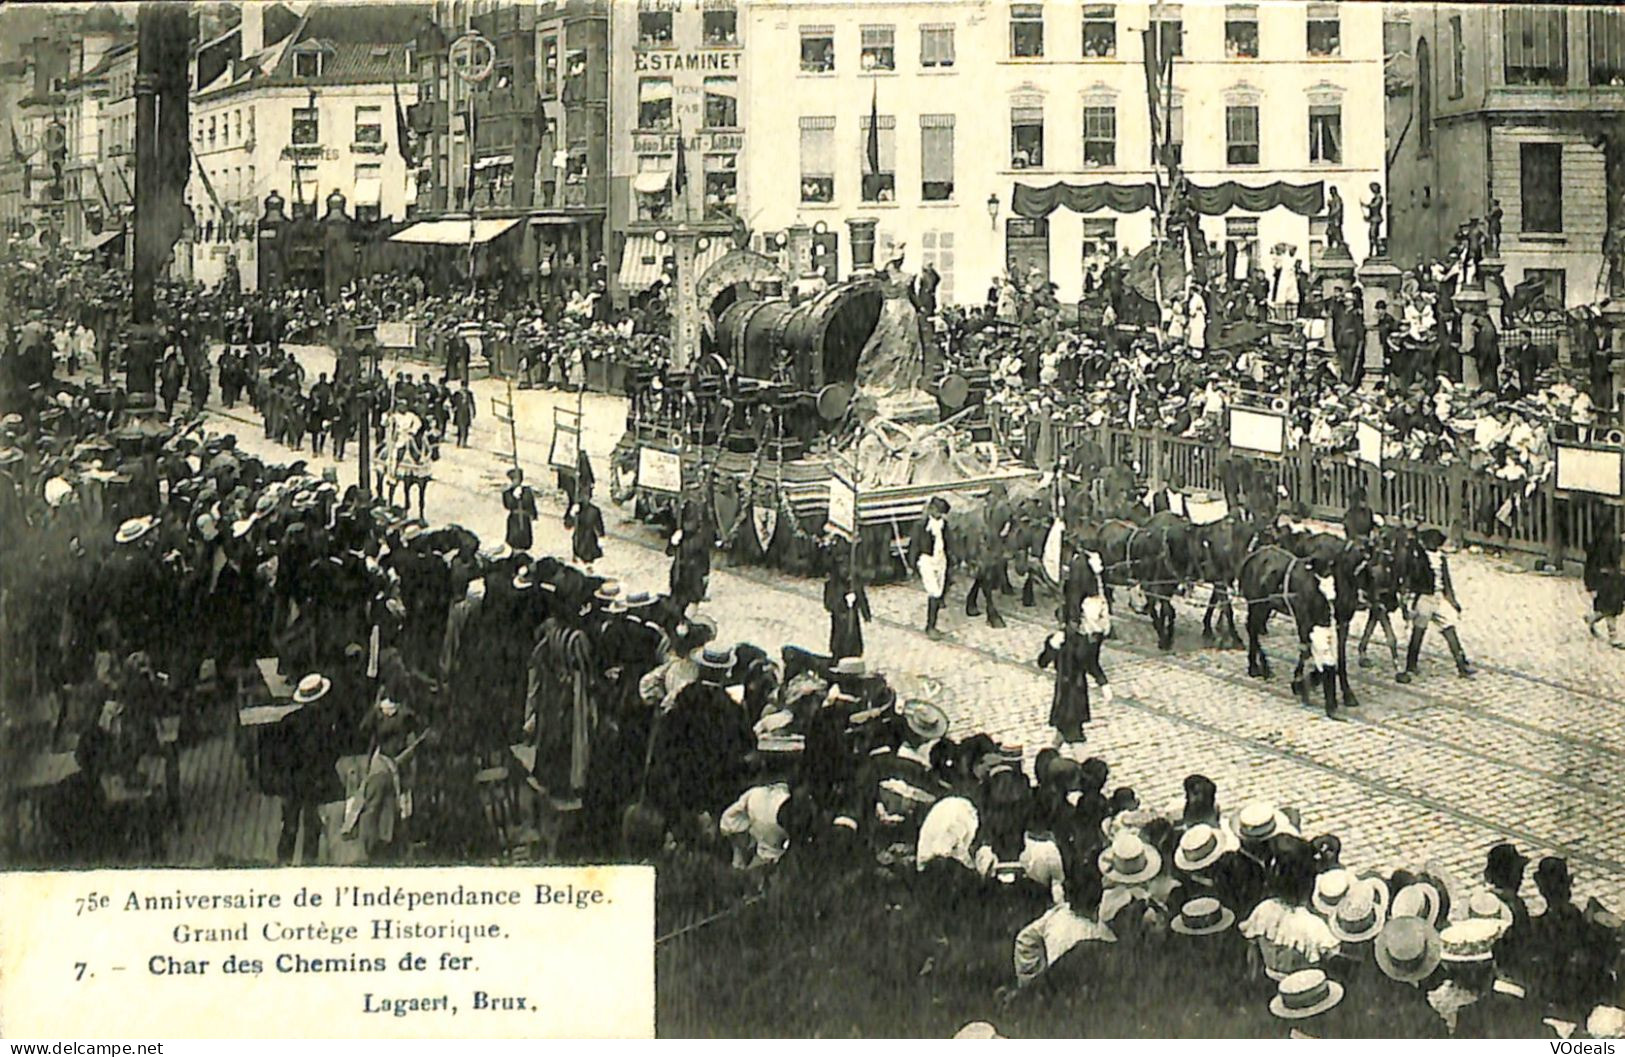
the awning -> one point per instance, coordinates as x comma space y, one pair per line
703, 259
643, 261
558, 221
453, 232
369, 192
493, 162
651, 183
96, 242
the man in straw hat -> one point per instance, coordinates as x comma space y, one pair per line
305, 750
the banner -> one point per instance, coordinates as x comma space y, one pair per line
1307, 200
843, 508
566, 447
1590, 470
1259, 431
1369, 439
660, 471
397, 335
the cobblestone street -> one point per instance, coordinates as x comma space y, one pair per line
1532, 750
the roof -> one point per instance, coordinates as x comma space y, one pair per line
363, 43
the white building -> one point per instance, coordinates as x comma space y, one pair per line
978, 97
309, 114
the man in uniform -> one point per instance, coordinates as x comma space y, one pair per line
463, 412
929, 551
1436, 604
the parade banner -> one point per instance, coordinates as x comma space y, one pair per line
1593, 470
1260, 431
843, 508
1369, 441
566, 447
397, 335
660, 471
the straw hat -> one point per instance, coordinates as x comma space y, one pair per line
1260, 820
1420, 899
1202, 846
312, 687
134, 529
1488, 906
1203, 916
925, 720
1361, 914
1129, 860
1472, 940
1408, 949
1303, 994
1331, 888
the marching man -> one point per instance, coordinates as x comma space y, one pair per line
928, 550
1435, 603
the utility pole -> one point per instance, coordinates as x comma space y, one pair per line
162, 165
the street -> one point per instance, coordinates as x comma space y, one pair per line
1532, 750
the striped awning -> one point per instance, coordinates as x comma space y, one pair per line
453, 232
643, 262
703, 259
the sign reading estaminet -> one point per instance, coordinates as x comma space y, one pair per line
430, 953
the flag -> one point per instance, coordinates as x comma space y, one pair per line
1153, 91
16, 146
472, 125
872, 149
403, 134
679, 180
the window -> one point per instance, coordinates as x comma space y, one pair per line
307, 64
1607, 32
1326, 134
1026, 31
1554, 283
1241, 244
1099, 240
936, 157
720, 24
1458, 59
1424, 99
654, 103
1541, 186
654, 29
1241, 135
818, 159
879, 183
304, 191
1537, 45
722, 102
879, 48
817, 49
1240, 31
1325, 31
1099, 31
1099, 136
1170, 31
1175, 135
1027, 137
211, 133
237, 119
369, 124
369, 182
307, 129
1396, 34
936, 46
937, 250
653, 186
550, 65
721, 185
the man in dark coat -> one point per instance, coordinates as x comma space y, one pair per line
847, 604
463, 411
690, 548
520, 502
586, 530
302, 752
1348, 338
1487, 354
931, 551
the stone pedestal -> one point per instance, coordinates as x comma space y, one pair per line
1336, 270
1379, 281
1492, 272
1473, 304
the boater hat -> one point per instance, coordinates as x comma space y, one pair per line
1129, 860
1303, 994
1202, 846
925, 720
1408, 949
1260, 820
1331, 888
1202, 916
134, 529
312, 687
1362, 913
1420, 899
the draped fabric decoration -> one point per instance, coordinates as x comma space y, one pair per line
1034, 202
1304, 199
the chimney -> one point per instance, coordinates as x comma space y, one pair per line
252, 29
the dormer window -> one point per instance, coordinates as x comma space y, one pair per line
307, 64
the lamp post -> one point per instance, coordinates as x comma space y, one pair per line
993, 212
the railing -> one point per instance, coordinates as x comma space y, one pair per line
1472, 506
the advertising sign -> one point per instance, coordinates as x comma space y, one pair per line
1260, 431
843, 508
1589, 470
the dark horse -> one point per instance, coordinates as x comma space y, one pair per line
1221, 546
1275, 580
1158, 556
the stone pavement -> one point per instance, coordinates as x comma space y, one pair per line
1532, 750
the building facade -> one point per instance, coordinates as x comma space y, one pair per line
1515, 105
540, 128
302, 116
678, 134
974, 98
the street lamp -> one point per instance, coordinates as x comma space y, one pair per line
993, 211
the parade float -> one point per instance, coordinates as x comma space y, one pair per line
792, 419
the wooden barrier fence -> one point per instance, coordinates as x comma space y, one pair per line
1473, 507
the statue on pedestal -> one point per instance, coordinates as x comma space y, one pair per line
891, 360
1373, 219
1494, 225
1334, 224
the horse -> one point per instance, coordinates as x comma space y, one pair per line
1388, 552
1159, 556
1221, 547
1273, 580
1348, 567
